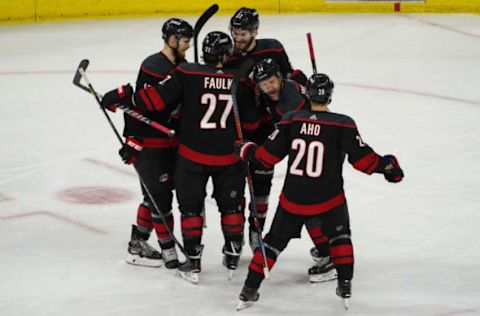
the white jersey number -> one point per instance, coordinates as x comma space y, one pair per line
314, 158
210, 99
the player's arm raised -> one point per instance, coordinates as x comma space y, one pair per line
365, 159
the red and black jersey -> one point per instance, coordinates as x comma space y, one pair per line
154, 69
207, 122
316, 144
292, 98
264, 48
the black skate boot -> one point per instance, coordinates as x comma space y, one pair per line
190, 269
344, 290
140, 252
247, 298
170, 257
231, 256
323, 269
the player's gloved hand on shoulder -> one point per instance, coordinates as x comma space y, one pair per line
130, 150
244, 148
392, 172
122, 95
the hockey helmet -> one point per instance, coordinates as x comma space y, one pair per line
320, 88
178, 27
216, 45
265, 69
245, 19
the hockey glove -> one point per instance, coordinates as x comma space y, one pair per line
392, 172
122, 95
244, 149
130, 150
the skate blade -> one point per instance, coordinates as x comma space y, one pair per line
345, 303
324, 277
191, 277
230, 274
142, 261
242, 304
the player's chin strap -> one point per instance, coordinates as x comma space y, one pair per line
80, 73
242, 72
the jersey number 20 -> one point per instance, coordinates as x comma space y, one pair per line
313, 153
212, 100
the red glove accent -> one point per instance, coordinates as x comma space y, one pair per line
242, 148
122, 95
130, 150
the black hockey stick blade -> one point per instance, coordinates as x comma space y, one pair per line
78, 76
199, 25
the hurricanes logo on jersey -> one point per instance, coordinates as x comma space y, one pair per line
164, 177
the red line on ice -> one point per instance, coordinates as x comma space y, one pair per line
108, 166
56, 216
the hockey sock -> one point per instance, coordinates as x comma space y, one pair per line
342, 257
319, 240
144, 217
163, 235
192, 230
232, 226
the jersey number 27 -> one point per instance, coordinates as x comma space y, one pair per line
212, 101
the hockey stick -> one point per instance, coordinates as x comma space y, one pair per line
196, 31
79, 74
198, 26
246, 66
312, 53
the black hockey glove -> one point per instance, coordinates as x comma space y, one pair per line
122, 95
392, 172
244, 149
130, 150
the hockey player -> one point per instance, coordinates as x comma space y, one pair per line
244, 30
279, 96
244, 26
153, 152
206, 148
316, 142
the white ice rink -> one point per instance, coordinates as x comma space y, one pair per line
410, 81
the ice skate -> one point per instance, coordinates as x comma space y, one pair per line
140, 252
170, 258
190, 269
344, 290
323, 270
231, 256
247, 298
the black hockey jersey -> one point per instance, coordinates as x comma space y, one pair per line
292, 98
316, 144
207, 122
264, 48
154, 69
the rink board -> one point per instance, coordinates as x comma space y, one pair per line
27, 11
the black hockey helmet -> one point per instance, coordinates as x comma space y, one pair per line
216, 45
320, 88
265, 69
178, 27
245, 19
